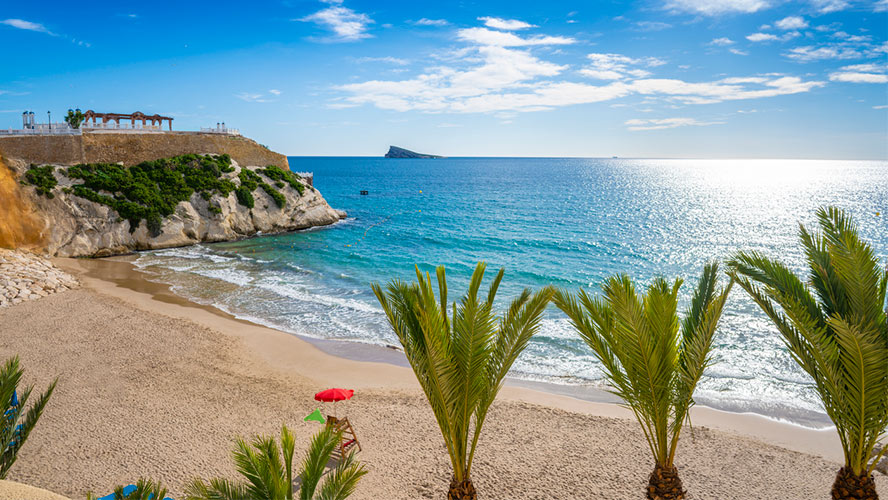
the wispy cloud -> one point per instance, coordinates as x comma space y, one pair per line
431, 22
768, 37
346, 24
738, 52
484, 36
721, 41
810, 53
652, 25
27, 25
258, 97
617, 66
387, 59
860, 73
717, 7
505, 24
827, 6
664, 123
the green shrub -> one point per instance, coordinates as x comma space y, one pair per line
214, 209
151, 190
279, 199
276, 173
42, 178
245, 196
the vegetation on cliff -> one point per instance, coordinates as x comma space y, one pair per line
151, 190
42, 179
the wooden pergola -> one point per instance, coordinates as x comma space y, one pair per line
117, 117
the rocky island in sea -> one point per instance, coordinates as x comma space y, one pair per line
396, 152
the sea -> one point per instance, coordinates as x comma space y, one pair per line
568, 222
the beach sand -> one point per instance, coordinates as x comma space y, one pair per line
153, 386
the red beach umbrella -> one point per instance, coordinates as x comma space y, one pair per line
335, 394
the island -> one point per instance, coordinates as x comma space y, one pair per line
396, 152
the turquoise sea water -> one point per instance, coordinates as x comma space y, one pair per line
566, 222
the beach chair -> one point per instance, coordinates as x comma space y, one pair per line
348, 441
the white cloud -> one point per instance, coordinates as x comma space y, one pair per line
274, 92
717, 7
827, 6
861, 73
858, 77
431, 22
809, 53
397, 61
883, 106
721, 41
27, 25
738, 52
762, 37
484, 36
505, 24
728, 89
881, 6
246, 96
768, 37
616, 66
346, 24
664, 123
791, 23
652, 25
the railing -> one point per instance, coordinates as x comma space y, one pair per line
120, 126
43, 129
220, 130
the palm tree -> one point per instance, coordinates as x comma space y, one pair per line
146, 489
834, 326
652, 360
16, 424
460, 360
268, 470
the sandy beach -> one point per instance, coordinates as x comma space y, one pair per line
153, 386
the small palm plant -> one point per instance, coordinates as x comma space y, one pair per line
268, 470
651, 359
16, 423
460, 357
834, 326
145, 489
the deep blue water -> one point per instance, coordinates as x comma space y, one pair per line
567, 222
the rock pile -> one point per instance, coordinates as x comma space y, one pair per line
25, 276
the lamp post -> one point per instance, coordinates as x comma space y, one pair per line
49, 117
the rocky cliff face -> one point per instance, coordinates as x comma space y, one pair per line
77, 227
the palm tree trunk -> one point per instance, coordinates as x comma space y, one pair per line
461, 490
664, 484
850, 486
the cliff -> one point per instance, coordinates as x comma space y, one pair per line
396, 152
105, 209
130, 147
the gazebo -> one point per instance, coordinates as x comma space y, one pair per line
133, 117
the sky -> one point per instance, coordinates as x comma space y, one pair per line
680, 78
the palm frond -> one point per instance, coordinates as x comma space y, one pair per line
460, 356
840, 338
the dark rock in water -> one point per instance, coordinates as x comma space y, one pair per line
396, 152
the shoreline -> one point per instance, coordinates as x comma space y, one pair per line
356, 350
119, 277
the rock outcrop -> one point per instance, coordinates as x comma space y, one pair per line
25, 276
77, 227
396, 152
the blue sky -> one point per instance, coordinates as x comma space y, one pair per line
681, 78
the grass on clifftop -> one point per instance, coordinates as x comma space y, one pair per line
152, 189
